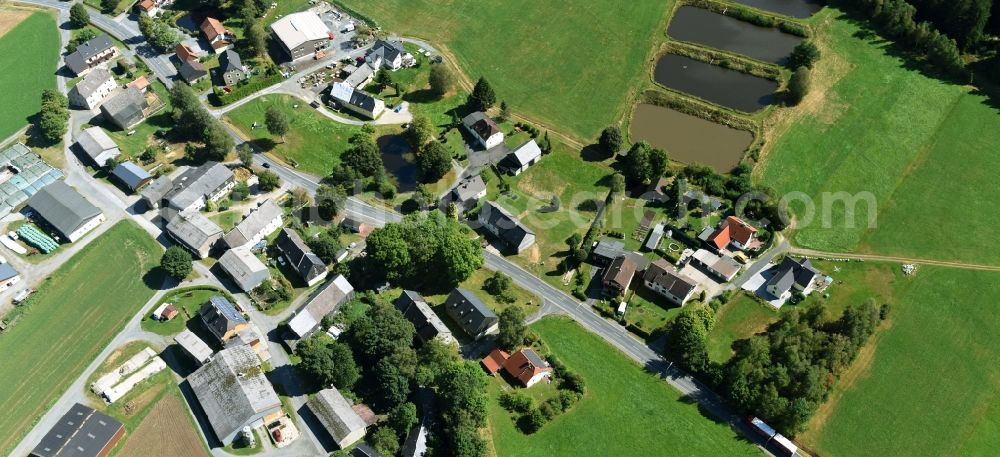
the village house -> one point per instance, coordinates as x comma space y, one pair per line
470, 313
244, 267
65, 211
8, 276
426, 322
736, 233
360, 76
217, 35
234, 392
90, 54
618, 276
141, 83
231, 68
664, 279
197, 186
722, 268
195, 232
506, 228
521, 158
356, 100
392, 55
468, 192
185, 53
325, 301
152, 8
92, 89
337, 416
356, 226
95, 143
525, 366
606, 250
153, 194
192, 71
302, 34
792, 276
486, 132
125, 109
131, 175
81, 432
308, 265
261, 222
222, 319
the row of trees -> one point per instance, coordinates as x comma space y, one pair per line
783, 375
405, 252
193, 122
963, 20
898, 19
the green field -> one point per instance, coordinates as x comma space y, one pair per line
625, 411
567, 65
313, 144
32, 48
931, 386
72, 317
923, 148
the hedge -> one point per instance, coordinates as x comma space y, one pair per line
222, 98
745, 14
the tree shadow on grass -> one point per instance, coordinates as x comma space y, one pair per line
594, 153
156, 279
263, 144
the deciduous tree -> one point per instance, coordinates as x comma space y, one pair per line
78, 15
512, 329
176, 261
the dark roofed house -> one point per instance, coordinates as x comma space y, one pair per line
195, 232
91, 54
484, 129
97, 145
791, 275
468, 192
125, 109
324, 302
337, 416
506, 228
470, 313
197, 186
65, 210
308, 265
234, 392
131, 175
364, 450
81, 432
664, 279
393, 55
153, 193
231, 68
192, 71
221, 318
606, 251
356, 100
424, 319
618, 276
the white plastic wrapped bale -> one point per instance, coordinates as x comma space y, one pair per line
117, 392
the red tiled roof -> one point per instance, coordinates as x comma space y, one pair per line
140, 83
732, 229
147, 5
521, 367
184, 53
212, 28
494, 361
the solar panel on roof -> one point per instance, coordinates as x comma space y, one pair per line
226, 309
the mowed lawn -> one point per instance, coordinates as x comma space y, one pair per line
923, 149
29, 54
567, 64
314, 142
72, 317
626, 411
931, 387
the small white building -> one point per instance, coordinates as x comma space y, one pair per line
97, 145
90, 91
245, 268
8, 276
391, 55
521, 158
302, 34
483, 129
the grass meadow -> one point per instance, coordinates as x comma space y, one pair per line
921, 146
32, 48
313, 144
571, 66
70, 320
928, 385
626, 411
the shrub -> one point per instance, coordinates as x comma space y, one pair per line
516, 402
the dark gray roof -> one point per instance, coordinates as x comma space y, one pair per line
468, 188
469, 312
62, 207
131, 174
155, 191
77, 60
335, 413
419, 313
81, 432
511, 231
790, 272
483, 125
220, 316
126, 107
192, 70
96, 78
664, 275
388, 50
193, 229
362, 100
305, 262
608, 248
253, 223
364, 450
230, 61
197, 183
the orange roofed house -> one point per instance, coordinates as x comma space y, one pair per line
734, 231
525, 365
216, 34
